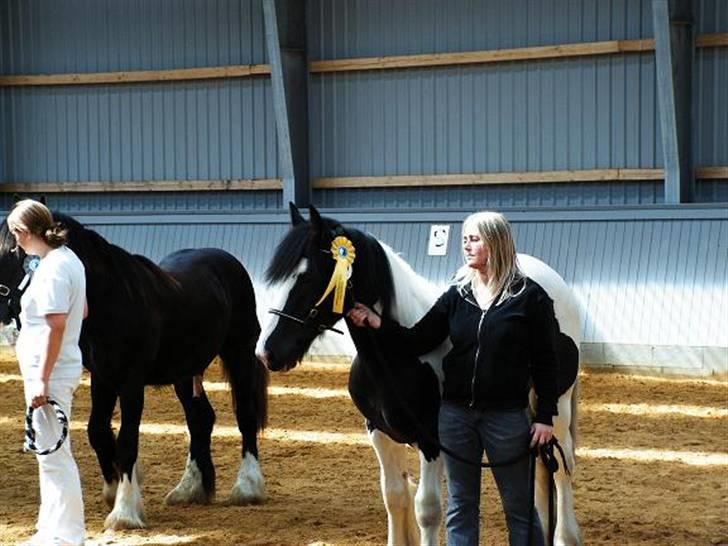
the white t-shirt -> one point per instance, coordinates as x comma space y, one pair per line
58, 286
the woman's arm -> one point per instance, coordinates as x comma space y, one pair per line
544, 357
429, 332
52, 347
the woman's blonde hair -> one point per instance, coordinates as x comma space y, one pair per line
503, 270
34, 217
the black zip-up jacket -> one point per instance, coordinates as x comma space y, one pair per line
495, 354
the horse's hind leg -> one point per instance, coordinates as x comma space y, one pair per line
567, 529
248, 379
428, 508
197, 485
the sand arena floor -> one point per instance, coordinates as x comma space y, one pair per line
653, 466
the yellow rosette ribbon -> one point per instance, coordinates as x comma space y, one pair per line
342, 250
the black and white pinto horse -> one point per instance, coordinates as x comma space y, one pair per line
396, 393
160, 325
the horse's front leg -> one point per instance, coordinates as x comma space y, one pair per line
198, 481
101, 436
428, 506
128, 511
397, 490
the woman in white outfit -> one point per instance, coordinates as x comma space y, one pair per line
52, 310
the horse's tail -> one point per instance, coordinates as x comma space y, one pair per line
248, 378
574, 423
247, 375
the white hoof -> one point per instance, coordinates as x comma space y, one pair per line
128, 512
189, 490
249, 487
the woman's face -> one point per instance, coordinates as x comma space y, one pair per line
475, 250
21, 237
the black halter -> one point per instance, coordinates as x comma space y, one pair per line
12, 295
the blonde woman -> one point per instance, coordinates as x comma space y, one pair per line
51, 312
503, 332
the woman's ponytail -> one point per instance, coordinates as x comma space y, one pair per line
56, 235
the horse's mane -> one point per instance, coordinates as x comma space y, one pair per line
288, 253
137, 276
7, 241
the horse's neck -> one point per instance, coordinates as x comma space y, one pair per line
413, 294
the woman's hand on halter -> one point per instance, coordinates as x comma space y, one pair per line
361, 315
540, 434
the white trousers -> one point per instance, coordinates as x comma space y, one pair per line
60, 518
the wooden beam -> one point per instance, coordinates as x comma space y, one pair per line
142, 186
527, 177
143, 76
711, 173
503, 55
481, 57
712, 40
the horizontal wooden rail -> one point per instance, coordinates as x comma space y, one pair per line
526, 177
142, 186
504, 55
370, 63
482, 179
142, 76
711, 173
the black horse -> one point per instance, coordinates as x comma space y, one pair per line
160, 325
398, 395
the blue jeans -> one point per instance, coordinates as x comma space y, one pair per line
502, 435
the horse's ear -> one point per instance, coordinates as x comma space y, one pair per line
16, 198
296, 216
42, 199
316, 222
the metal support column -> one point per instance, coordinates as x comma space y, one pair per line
673, 22
285, 34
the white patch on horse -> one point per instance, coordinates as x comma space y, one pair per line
397, 490
190, 489
565, 306
413, 297
249, 486
281, 291
128, 512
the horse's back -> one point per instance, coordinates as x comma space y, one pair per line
565, 306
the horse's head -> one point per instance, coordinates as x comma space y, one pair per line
303, 268
12, 258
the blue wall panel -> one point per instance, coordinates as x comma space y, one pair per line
711, 107
47, 36
218, 129
549, 115
582, 113
498, 196
196, 130
355, 28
